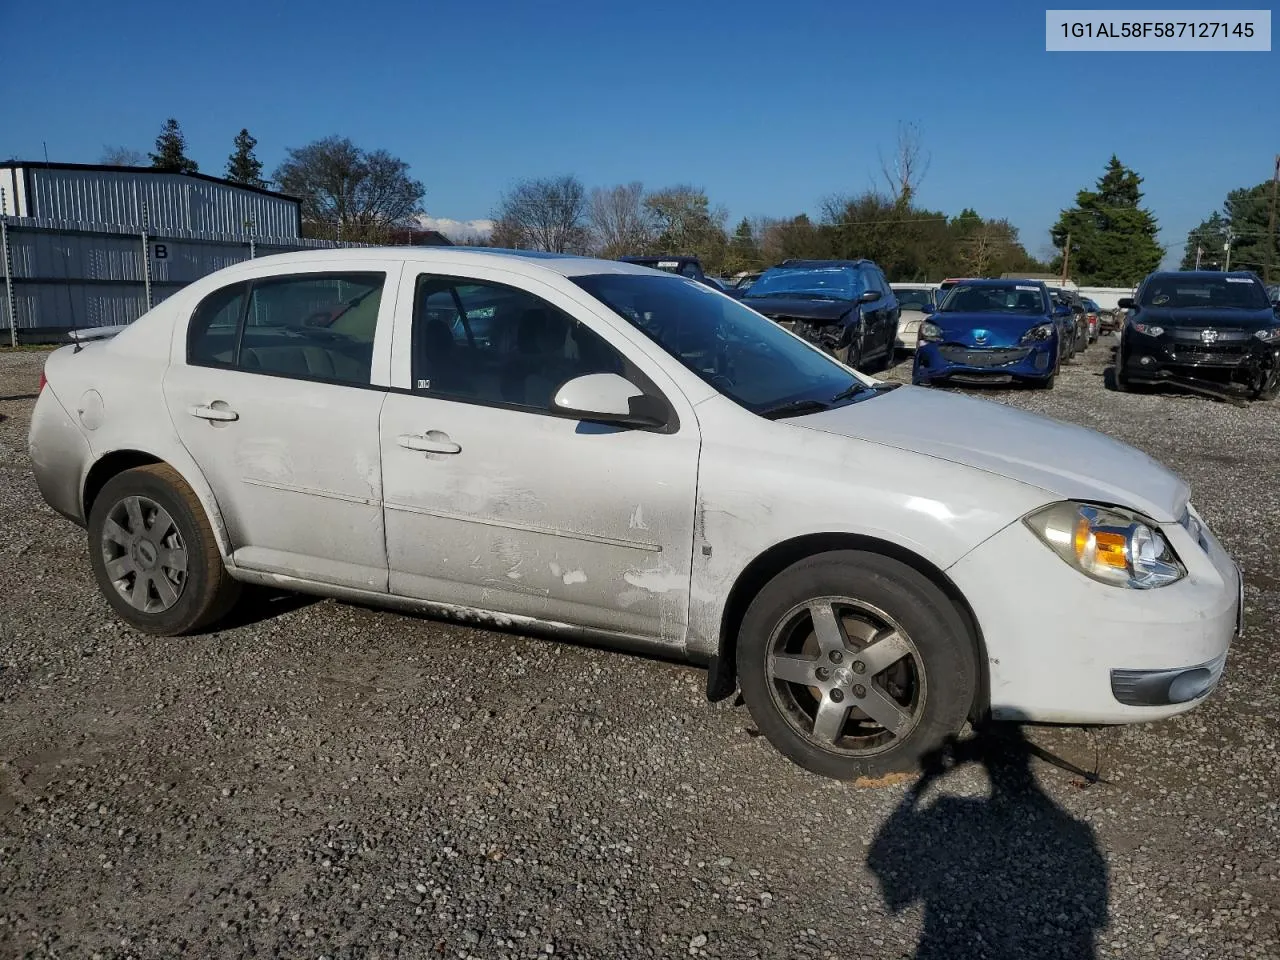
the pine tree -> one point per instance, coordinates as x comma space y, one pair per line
243, 166
171, 150
1113, 238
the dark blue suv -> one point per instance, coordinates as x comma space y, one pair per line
990, 331
843, 306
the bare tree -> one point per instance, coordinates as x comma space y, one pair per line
547, 213
908, 166
348, 193
620, 221
122, 157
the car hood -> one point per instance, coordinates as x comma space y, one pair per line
1208, 317
1070, 462
786, 308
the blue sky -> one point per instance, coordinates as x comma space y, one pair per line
769, 106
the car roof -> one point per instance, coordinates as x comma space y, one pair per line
1202, 274
812, 264
527, 262
998, 281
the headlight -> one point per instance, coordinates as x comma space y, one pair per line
1269, 334
1148, 329
1038, 333
1108, 544
930, 331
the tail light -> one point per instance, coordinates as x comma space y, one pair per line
44, 382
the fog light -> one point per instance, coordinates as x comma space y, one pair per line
1145, 361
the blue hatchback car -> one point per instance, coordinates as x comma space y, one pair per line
990, 331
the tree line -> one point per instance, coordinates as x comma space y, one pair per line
1244, 231
1106, 238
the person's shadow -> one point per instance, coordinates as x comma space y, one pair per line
1011, 875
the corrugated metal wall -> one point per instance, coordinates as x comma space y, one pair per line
69, 274
173, 202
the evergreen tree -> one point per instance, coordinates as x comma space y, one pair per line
1113, 238
171, 150
1209, 238
243, 166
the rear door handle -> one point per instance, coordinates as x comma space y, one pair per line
209, 412
439, 443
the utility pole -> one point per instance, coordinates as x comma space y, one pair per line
1227, 247
1066, 257
1271, 223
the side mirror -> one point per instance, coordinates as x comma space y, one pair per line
1061, 310
1125, 303
869, 296
609, 398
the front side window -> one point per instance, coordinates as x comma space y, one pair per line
1232, 293
494, 344
315, 326
749, 359
810, 283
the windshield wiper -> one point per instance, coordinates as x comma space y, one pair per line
852, 390
793, 407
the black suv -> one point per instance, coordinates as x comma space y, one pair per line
690, 267
843, 306
1201, 329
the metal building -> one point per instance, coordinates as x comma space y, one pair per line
141, 197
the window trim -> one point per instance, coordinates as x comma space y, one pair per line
250, 284
631, 371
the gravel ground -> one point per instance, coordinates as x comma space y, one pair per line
324, 780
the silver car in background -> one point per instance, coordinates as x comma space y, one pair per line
917, 301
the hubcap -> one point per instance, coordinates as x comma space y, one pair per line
145, 557
846, 676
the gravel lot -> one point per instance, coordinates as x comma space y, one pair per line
324, 780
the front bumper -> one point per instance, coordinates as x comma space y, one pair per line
1154, 359
1063, 648
961, 362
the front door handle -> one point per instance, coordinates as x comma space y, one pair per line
221, 414
433, 442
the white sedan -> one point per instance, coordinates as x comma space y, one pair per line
592, 449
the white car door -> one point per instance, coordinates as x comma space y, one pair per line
494, 502
276, 392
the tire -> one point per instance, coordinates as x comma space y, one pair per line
851, 355
1269, 390
143, 520
865, 602
1045, 384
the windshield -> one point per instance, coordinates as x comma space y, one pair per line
995, 298
1231, 293
817, 283
915, 298
749, 359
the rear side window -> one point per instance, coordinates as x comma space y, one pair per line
215, 327
315, 326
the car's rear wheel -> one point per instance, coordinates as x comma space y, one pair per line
154, 554
853, 664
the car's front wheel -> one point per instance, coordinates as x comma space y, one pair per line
854, 664
154, 554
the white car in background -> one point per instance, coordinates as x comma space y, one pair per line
594, 449
917, 301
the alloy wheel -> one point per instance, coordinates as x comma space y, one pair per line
846, 676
